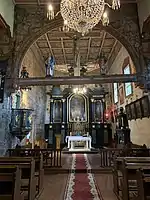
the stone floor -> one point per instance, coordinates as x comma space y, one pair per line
55, 185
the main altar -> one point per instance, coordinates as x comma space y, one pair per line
78, 143
79, 119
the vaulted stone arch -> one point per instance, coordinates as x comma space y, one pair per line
146, 41
31, 23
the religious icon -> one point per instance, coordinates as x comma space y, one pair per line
145, 106
98, 111
77, 108
57, 111
128, 111
121, 95
138, 109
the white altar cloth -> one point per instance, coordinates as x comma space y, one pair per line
72, 139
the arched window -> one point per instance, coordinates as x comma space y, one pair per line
127, 86
126, 69
115, 89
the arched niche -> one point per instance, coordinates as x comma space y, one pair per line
78, 108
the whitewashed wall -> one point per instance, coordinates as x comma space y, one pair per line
140, 129
7, 12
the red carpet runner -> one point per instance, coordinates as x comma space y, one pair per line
81, 186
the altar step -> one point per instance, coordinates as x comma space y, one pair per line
78, 151
68, 171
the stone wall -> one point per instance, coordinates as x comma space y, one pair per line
36, 97
5, 113
140, 127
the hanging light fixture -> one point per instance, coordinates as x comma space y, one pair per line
83, 15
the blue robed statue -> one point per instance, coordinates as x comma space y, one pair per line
50, 66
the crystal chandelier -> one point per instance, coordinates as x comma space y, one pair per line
83, 15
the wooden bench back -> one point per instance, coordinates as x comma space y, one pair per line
10, 182
27, 165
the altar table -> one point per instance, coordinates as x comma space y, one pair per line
72, 139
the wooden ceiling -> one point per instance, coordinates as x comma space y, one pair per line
61, 46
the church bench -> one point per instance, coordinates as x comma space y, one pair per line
143, 185
38, 157
10, 183
27, 167
51, 157
124, 174
108, 155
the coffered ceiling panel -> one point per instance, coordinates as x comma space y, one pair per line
60, 45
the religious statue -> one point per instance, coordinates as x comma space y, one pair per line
102, 64
122, 121
50, 67
24, 73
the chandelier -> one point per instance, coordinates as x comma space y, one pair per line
83, 15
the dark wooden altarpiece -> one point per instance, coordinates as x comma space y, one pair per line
68, 112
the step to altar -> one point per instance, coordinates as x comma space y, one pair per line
79, 151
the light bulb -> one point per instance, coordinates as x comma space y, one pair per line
65, 22
50, 7
105, 15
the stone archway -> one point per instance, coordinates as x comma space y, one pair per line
146, 41
30, 24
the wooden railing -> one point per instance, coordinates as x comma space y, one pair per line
51, 157
108, 155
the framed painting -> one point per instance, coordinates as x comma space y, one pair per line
98, 111
121, 95
133, 110
145, 106
57, 111
77, 108
138, 109
128, 111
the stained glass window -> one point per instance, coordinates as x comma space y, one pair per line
128, 86
115, 87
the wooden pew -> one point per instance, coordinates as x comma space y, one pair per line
10, 183
38, 157
143, 184
124, 173
27, 166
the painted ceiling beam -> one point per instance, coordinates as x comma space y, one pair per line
43, 81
